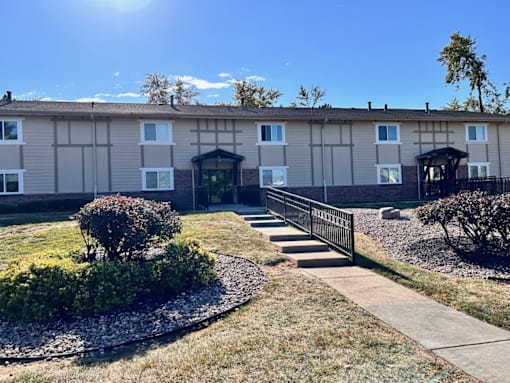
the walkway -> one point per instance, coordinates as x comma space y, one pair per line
476, 347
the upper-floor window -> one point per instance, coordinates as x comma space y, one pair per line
476, 133
389, 174
273, 176
11, 181
157, 179
10, 131
387, 133
271, 133
156, 132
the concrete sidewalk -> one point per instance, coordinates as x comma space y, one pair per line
476, 347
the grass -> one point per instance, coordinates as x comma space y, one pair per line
484, 299
295, 330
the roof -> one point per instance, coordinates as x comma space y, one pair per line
86, 110
443, 154
217, 155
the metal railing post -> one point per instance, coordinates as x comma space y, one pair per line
284, 208
310, 217
352, 239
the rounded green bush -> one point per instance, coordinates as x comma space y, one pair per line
41, 288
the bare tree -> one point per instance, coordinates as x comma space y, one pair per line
254, 94
309, 97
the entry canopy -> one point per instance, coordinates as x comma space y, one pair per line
447, 153
218, 154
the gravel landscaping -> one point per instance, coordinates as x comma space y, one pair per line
407, 240
238, 279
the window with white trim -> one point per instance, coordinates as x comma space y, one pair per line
273, 176
389, 174
154, 179
10, 131
478, 169
387, 133
476, 133
156, 133
271, 133
11, 181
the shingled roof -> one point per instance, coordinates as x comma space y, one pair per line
82, 109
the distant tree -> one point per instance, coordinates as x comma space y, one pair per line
254, 94
309, 97
454, 105
158, 89
463, 63
184, 93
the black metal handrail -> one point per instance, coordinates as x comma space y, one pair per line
491, 185
322, 221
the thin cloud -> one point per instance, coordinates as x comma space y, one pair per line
118, 95
204, 84
90, 99
255, 78
116, 74
224, 74
213, 95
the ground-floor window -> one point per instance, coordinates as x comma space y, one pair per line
11, 181
157, 179
273, 176
478, 169
388, 174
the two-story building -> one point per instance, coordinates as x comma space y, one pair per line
178, 153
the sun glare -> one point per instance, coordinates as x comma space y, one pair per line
131, 5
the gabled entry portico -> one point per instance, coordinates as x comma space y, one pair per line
217, 174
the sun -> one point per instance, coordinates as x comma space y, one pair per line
131, 5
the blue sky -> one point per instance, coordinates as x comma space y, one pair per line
357, 51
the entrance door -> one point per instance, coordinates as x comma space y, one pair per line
219, 185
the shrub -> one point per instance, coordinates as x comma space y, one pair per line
124, 227
38, 289
183, 265
482, 220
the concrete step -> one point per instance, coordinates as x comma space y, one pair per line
257, 217
274, 234
307, 246
319, 259
267, 223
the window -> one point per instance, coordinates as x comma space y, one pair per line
478, 169
389, 174
157, 179
10, 131
11, 181
387, 134
273, 176
156, 133
476, 133
271, 133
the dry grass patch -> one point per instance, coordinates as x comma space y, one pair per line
295, 330
484, 299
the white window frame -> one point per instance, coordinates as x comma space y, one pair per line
144, 178
169, 123
475, 141
478, 164
261, 178
385, 142
21, 186
19, 123
272, 123
389, 166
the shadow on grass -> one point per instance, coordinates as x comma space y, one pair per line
33, 218
368, 263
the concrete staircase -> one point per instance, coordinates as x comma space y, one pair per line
294, 244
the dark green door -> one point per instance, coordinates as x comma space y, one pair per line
219, 185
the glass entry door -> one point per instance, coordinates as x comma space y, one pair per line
219, 185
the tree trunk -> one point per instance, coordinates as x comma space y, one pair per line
480, 102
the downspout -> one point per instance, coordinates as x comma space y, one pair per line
324, 162
193, 186
418, 176
94, 154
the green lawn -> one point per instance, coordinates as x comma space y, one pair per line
295, 330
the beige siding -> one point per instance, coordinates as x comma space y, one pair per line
156, 156
38, 157
477, 152
271, 155
388, 153
364, 154
102, 170
126, 158
298, 153
70, 170
81, 132
409, 143
10, 156
248, 137
342, 166
183, 138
